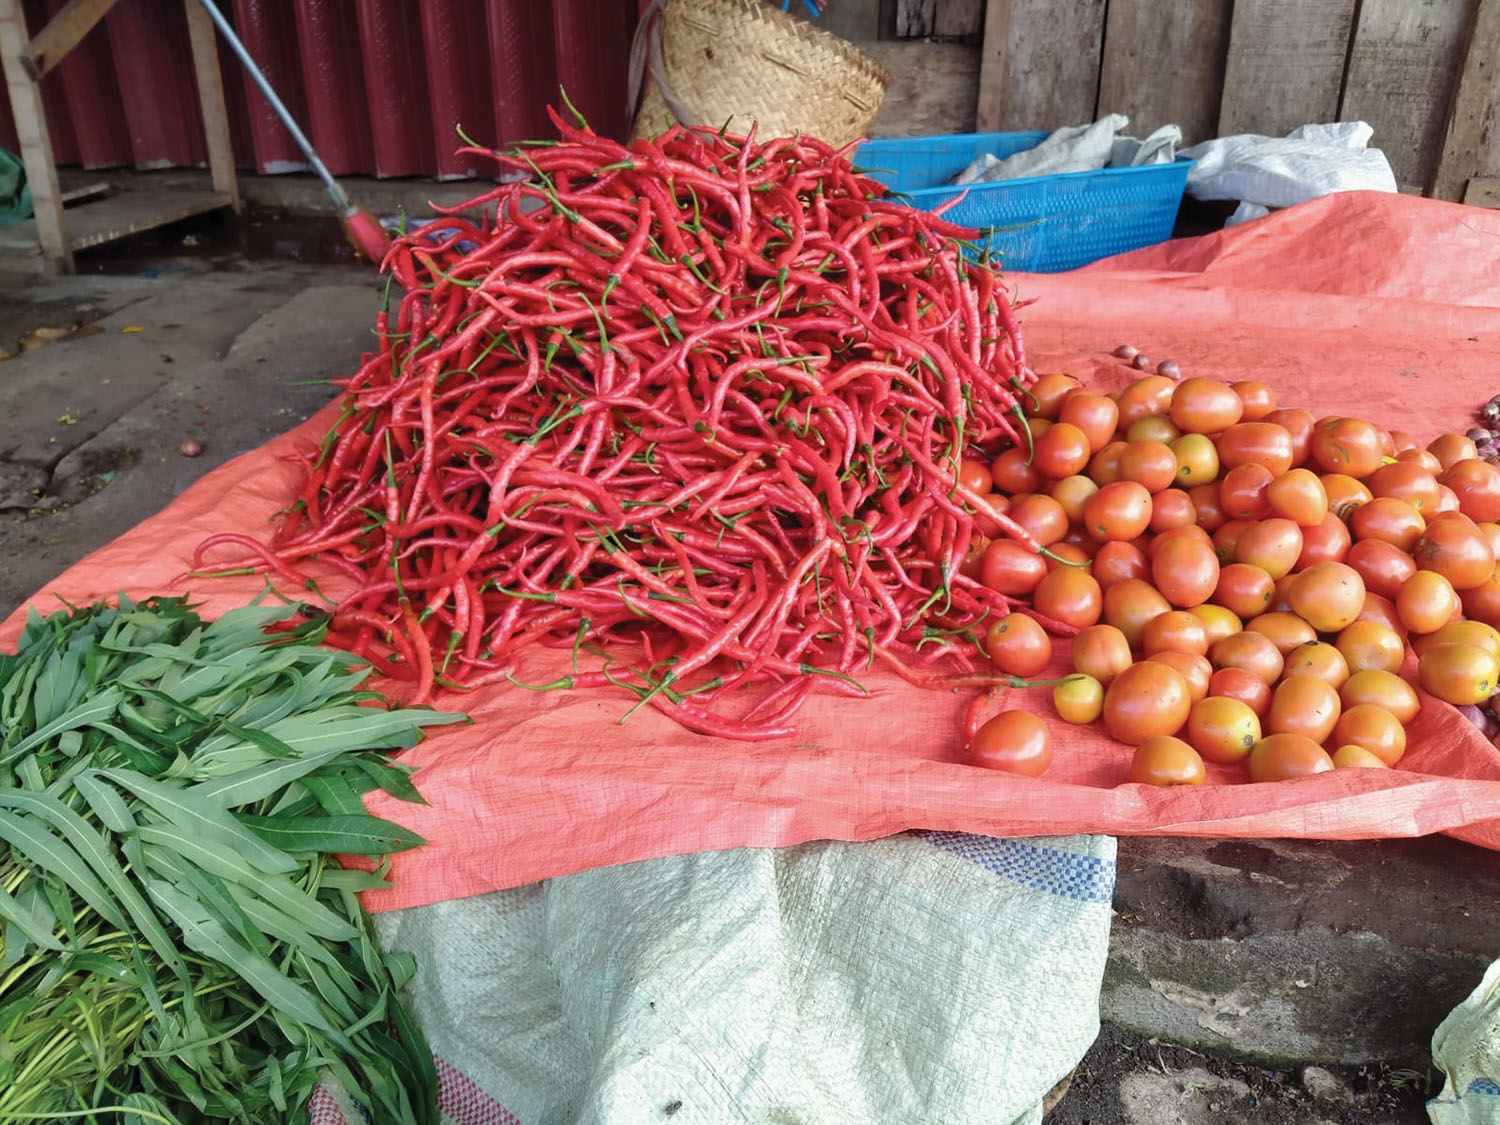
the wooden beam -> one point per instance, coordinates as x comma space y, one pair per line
50, 46
1164, 64
1483, 192
211, 98
1460, 157
36, 145
994, 61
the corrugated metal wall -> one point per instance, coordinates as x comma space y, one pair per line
379, 85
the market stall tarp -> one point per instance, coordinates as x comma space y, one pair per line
1378, 305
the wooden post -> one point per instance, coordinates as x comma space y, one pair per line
993, 59
63, 32
211, 97
36, 145
1459, 159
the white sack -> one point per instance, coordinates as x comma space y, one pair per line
1310, 161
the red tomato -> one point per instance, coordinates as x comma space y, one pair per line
1018, 645
1257, 398
1013, 741
1009, 568
1346, 445
1121, 510
1249, 689
1069, 595
1382, 565
975, 476
1205, 406
1104, 467
1166, 760
1299, 495
1116, 561
1101, 651
1271, 544
1172, 507
1327, 596
1256, 443
1477, 485
1148, 395
1298, 423
1060, 452
1048, 392
1205, 498
1012, 473
1451, 449
1151, 464
1146, 700
1073, 493
1178, 631
1195, 671
1406, 481
1280, 757
1244, 590
1129, 605
1093, 413
1242, 492
1160, 541
1327, 542
1454, 547
1482, 602
1389, 519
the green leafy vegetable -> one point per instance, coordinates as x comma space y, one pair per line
177, 943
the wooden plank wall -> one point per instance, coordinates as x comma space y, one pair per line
1424, 73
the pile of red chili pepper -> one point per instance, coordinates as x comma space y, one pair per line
700, 400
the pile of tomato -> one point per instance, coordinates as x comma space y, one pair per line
1235, 582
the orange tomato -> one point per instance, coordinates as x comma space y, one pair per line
1280, 757
1159, 542
1450, 449
1256, 443
1078, 699
1104, 466
1185, 571
1172, 507
1299, 495
1070, 555
1328, 596
1218, 622
1092, 413
1222, 729
1475, 633
1403, 440
1117, 560
1427, 602
1344, 493
1148, 395
1129, 605
1271, 544
1382, 566
1327, 542
1195, 671
1383, 689
1151, 464
1458, 673
1257, 399
1009, 568
1227, 539
1060, 452
1368, 644
1146, 700
1482, 602
1320, 659
1102, 652
1250, 652
1018, 645
1177, 631
1041, 516
1048, 392
1406, 481
1298, 423
1390, 520
1244, 590
975, 476
1155, 428
1286, 631
1072, 493
1166, 760
1242, 492
1373, 729
1382, 611
1423, 458
1069, 595
1249, 689
1454, 547
1346, 445
1205, 406
1476, 484
1356, 757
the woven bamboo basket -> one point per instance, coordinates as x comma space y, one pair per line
741, 61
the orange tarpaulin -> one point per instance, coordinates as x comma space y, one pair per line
1382, 306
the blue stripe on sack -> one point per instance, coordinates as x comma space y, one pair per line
1483, 1086
1057, 872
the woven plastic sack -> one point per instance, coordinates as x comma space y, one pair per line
1466, 1047
929, 977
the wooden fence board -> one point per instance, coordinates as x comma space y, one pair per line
1164, 64
1402, 72
934, 87
1040, 63
1285, 66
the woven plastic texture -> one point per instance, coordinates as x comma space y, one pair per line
1046, 223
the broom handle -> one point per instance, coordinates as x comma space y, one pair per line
334, 189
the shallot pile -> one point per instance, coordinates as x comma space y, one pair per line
692, 410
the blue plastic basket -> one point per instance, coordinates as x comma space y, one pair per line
1048, 223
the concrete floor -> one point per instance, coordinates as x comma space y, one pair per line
1342, 956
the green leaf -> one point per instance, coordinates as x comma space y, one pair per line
335, 794
205, 936
95, 850
335, 835
31, 923
249, 786
55, 857
204, 819
393, 779
101, 706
